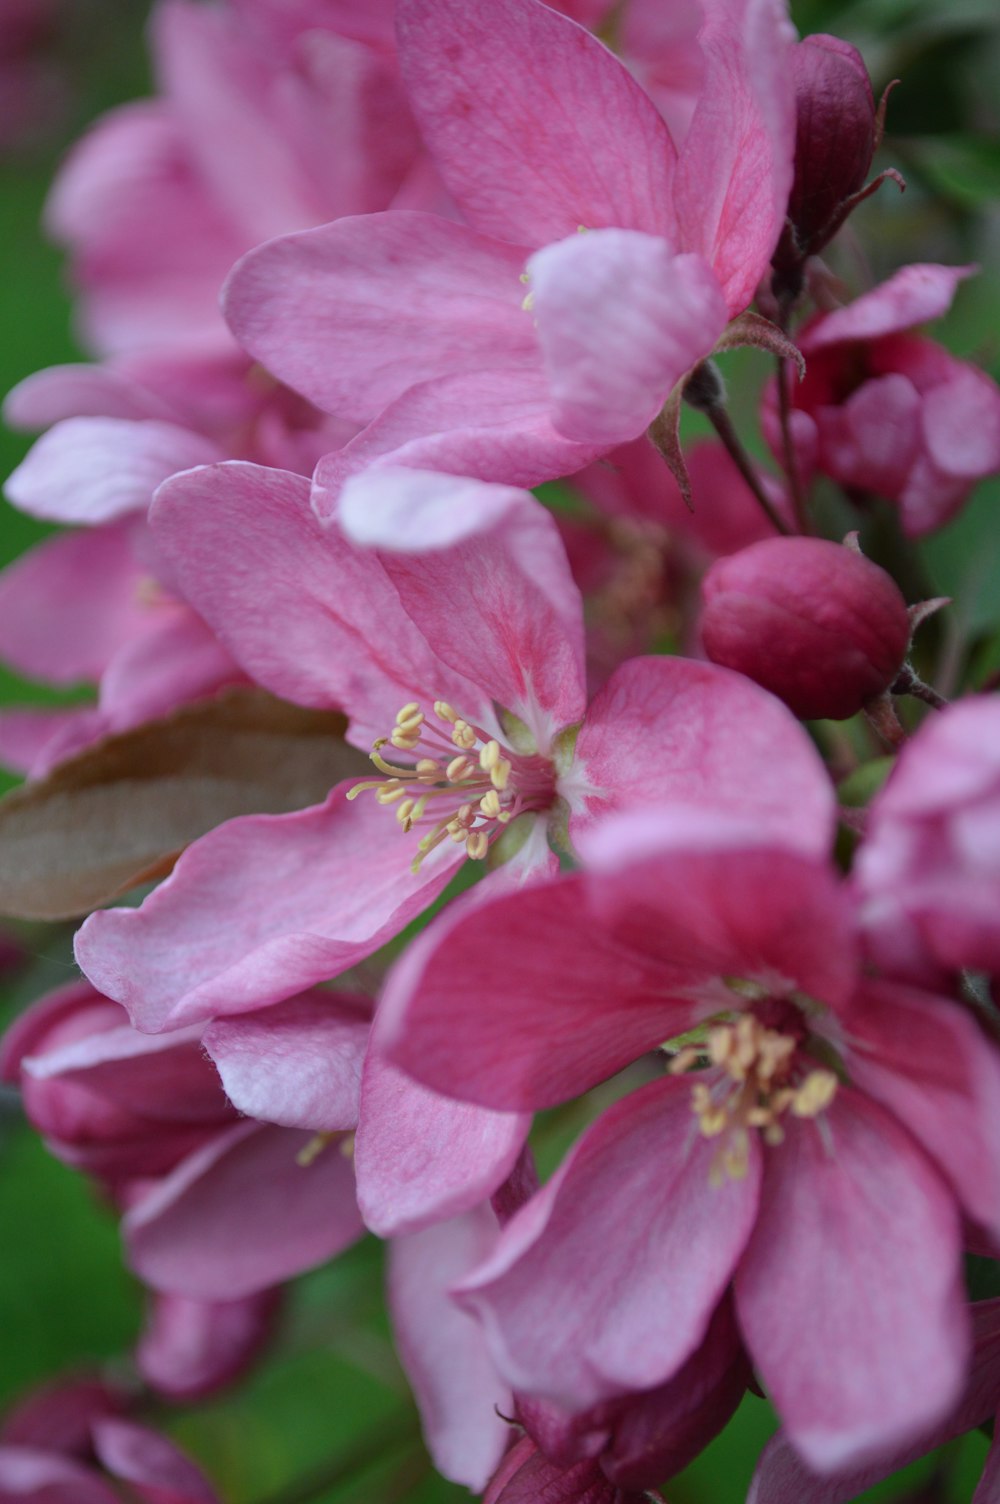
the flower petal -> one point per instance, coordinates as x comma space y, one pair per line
620, 320
259, 909
859, 1353
605, 1282
514, 102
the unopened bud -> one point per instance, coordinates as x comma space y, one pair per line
818, 625
835, 138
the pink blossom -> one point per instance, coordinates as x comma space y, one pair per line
928, 872
219, 1207
419, 648
870, 1122
191, 1348
888, 411
421, 320
152, 1468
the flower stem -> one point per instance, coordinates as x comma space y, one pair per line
722, 423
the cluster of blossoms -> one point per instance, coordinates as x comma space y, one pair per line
466, 247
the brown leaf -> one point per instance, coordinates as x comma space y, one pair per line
121, 812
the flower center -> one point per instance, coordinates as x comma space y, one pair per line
756, 1075
465, 785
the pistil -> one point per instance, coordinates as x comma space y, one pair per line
465, 786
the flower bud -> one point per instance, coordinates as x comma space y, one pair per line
835, 138
817, 624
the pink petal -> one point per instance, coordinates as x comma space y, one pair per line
177, 659
243, 1213
735, 170
988, 1488
90, 470
259, 909
353, 313
420, 1157
494, 425
891, 1336
297, 1063
514, 103
610, 376
69, 604
674, 731
78, 391
159, 1473
443, 1350
914, 295
930, 1064
447, 540
46, 1478
345, 640
31, 740
606, 1281
961, 421
191, 1348
873, 439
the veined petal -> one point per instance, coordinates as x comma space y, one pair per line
443, 541
859, 1354
355, 312
620, 320
302, 610
914, 295
259, 909
515, 102
675, 731
243, 1213
605, 1282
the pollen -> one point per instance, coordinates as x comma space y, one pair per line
755, 1076
464, 786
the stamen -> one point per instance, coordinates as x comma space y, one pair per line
486, 785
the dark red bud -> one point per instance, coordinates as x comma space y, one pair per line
820, 626
835, 139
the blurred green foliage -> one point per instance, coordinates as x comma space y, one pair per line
327, 1419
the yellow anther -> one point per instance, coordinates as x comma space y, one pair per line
505, 816
408, 712
683, 1061
458, 833
311, 1151
405, 740
444, 712
815, 1094
428, 770
346, 1145
490, 804
528, 302
460, 767
404, 812
500, 775
489, 756
525, 277
463, 735
477, 845
390, 792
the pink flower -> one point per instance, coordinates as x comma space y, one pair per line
162, 196
219, 1207
891, 412
928, 872
525, 1475
419, 648
151, 1467
514, 347
834, 1117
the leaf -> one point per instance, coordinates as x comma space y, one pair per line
121, 812
963, 560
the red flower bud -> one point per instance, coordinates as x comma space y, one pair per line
817, 624
835, 139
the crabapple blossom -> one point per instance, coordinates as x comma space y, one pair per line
485, 347
888, 411
419, 649
827, 1112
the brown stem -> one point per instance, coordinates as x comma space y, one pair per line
909, 683
720, 421
881, 716
788, 449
